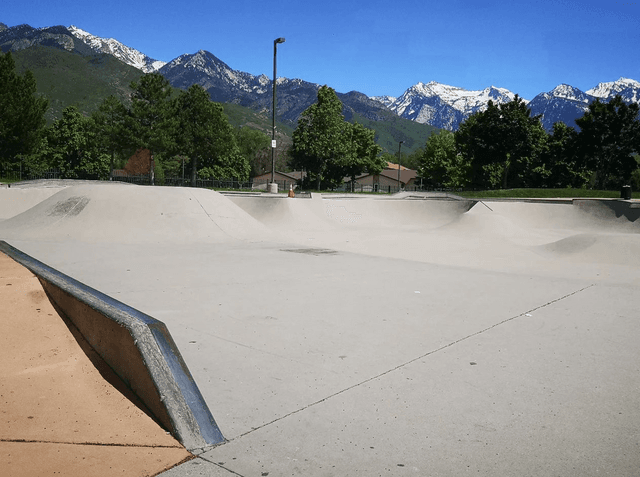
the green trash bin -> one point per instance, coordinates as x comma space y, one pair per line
625, 193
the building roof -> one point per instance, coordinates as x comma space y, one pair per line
392, 166
405, 175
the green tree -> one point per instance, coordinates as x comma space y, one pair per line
329, 147
441, 165
206, 137
22, 121
413, 159
609, 136
69, 148
151, 123
559, 160
254, 146
363, 154
318, 140
108, 130
503, 145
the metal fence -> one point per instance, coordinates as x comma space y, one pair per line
283, 185
145, 179
15, 173
379, 188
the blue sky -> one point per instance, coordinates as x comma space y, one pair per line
375, 47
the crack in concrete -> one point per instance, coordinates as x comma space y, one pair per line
217, 464
400, 366
209, 216
101, 444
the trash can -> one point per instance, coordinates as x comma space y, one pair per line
625, 193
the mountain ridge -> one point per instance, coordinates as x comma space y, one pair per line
434, 104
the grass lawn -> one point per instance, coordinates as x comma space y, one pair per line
544, 194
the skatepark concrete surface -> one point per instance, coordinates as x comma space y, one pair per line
351, 335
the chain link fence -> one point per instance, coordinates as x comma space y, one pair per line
16, 173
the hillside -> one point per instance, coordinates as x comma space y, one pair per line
71, 79
395, 129
68, 78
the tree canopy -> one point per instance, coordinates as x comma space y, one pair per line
150, 120
71, 147
502, 144
441, 165
609, 135
331, 148
22, 121
204, 135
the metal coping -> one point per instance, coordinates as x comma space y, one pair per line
191, 420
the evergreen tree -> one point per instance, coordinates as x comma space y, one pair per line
108, 130
22, 111
70, 149
503, 144
205, 136
151, 123
609, 135
559, 160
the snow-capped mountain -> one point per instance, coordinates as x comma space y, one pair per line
226, 85
127, 55
386, 100
76, 40
444, 106
205, 69
433, 103
627, 88
21, 37
564, 103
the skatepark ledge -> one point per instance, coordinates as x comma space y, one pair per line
137, 347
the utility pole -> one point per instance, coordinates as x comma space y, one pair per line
399, 156
273, 187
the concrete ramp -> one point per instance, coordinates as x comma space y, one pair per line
620, 249
578, 215
117, 213
587, 231
348, 214
14, 200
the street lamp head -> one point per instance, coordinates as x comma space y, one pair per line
279, 40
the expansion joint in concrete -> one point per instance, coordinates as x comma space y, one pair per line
400, 366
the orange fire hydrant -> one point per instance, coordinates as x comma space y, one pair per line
291, 193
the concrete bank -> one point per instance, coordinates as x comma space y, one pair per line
137, 347
64, 411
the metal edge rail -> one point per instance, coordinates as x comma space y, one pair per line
137, 347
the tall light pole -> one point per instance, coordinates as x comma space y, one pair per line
273, 186
399, 156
